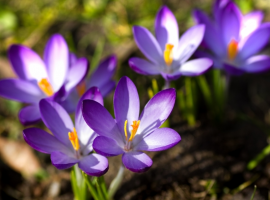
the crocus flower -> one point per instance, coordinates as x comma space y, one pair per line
167, 54
128, 134
101, 78
37, 79
69, 144
233, 39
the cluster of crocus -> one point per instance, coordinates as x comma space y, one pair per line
233, 39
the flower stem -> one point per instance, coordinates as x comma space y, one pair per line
91, 187
190, 110
116, 183
205, 90
167, 85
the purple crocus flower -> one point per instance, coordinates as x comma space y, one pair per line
167, 54
128, 134
69, 144
101, 78
37, 79
233, 39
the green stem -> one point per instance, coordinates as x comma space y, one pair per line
103, 186
189, 102
181, 103
116, 183
205, 90
91, 187
100, 192
253, 163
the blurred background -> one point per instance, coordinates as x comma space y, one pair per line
210, 161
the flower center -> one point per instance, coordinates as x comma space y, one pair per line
168, 54
46, 87
81, 87
232, 49
73, 137
135, 126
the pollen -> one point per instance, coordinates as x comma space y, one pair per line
73, 137
232, 49
168, 54
135, 126
81, 87
46, 87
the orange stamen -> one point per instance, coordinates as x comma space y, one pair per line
232, 49
46, 87
135, 127
168, 54
81, 87
73, 137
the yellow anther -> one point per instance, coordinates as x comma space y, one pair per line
168, 54
135, 127
232, 49
73, 137
46, 87
125, 128
81, 88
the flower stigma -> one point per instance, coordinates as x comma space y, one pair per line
46, 87
232, 49
73, 137
81, 87
168, 54
135, 126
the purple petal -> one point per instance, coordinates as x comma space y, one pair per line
156, 111
170, 77
62, 161
148, 44
189, 42
233, 70
107, 146
57, 120
29, 115
56, 57
256, 64
195, 67
137, 161
26, 63
101, 121
94, 165
166, 28
76, 73
142, 66
212, 38
72, 59
230, 23
159, 140
85, 133
107, 88
250, 22
42, 141
218, 7
256, 41
20, 90
104, 72
217, 62
126, 103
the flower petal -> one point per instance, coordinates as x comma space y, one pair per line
137, 161
107, 146
57, 120
230, 23
212, 37
56, 57
256, 41
148, 44
107, 88
155, 112
250, 22
85, 133
217, 63
29, 115
166, 28
20, 90
26, 63
104, 72
218, 6
94, 165
160, 139
195, 67
42, 141
62, 161
256, 64
76, 73
233, 70
101, 121
189, 42
126, 103
142, 66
